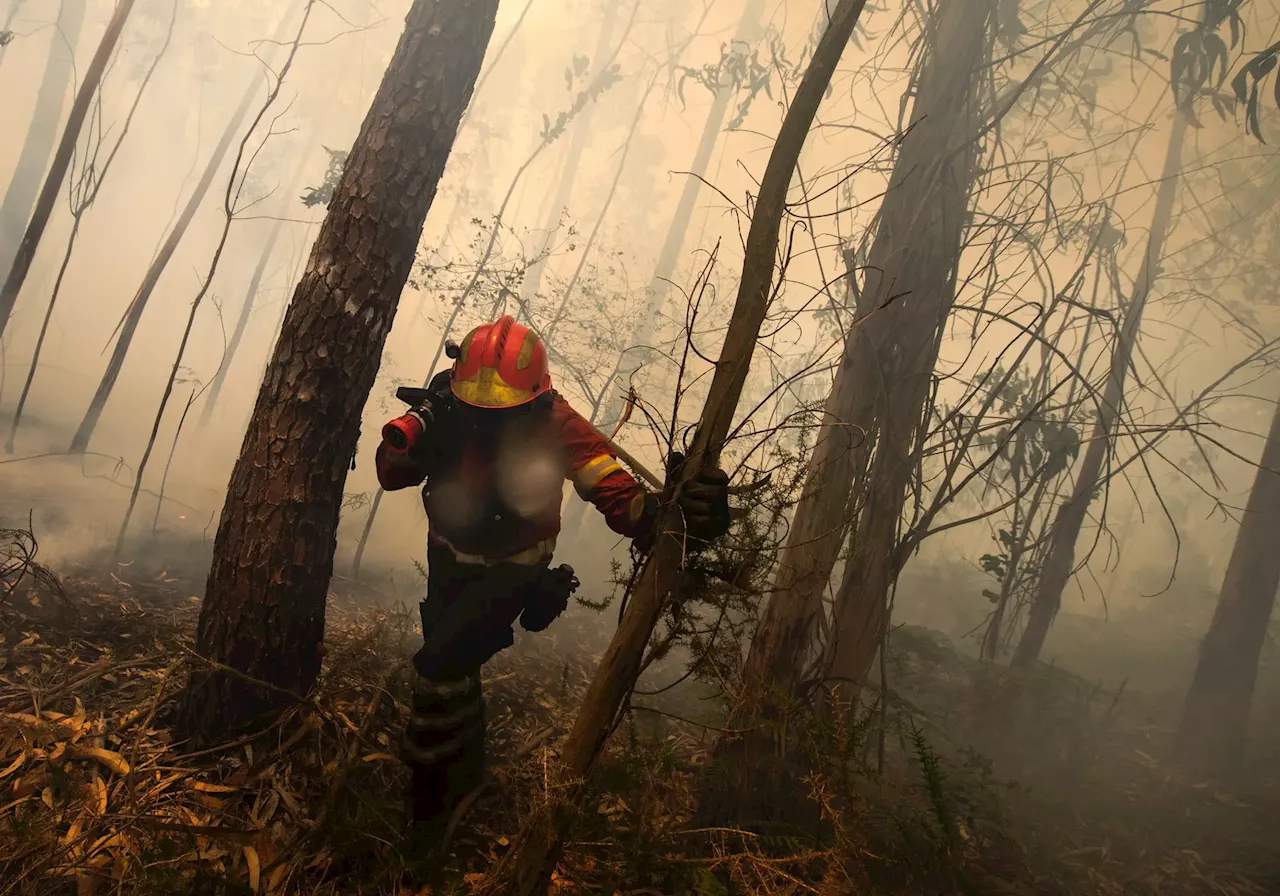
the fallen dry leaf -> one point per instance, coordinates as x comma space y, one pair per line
108, 758
255, 870
15, 765
206, 787
275, 883
98, 791
212, 803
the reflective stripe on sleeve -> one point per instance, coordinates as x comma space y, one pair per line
588, 476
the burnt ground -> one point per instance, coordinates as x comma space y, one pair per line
987, 784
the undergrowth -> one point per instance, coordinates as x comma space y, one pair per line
958, 779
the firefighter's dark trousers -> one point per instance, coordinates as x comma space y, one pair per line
466, 619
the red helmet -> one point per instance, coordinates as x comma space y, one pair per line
500, 365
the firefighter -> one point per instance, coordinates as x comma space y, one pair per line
494, 444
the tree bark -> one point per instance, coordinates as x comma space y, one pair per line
573, 162
912, 278
19, 236
80, 442
660, 284
1059, 563
1215, 716
872, 413
263, 612
528, 866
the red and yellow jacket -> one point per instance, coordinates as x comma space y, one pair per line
494, 494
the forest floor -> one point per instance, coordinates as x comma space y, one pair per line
986, 786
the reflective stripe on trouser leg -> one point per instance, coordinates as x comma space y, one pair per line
443, 743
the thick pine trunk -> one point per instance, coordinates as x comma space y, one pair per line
24, 186
1215, 717
26, 252
80, 442
573, 162
677, 232
263, 612
1059, 560
528, 866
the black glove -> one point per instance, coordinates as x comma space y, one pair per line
548, 597
704, 500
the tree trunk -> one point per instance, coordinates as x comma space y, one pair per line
1059, 563
873, 410
228, 209
1216, 714
242, 318
80, 443
24, 186
573, 162
251, 293
592, 91
587, 246
630, 361
916, 257
528, 866
775, 659
81, 199
263, 612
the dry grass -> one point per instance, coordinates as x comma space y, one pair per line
96, 797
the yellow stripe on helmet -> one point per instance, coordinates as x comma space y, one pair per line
488, 390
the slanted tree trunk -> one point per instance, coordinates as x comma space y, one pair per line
875, 404
669, 256
80, 442
775, 659
24, 186
573, 162
82, 198
912, 278
26, 251
228, 210
609, 194
1059, 562
1215, 717
631, 359
264, 606
287, 199
527, 867
242, 318
583, 101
